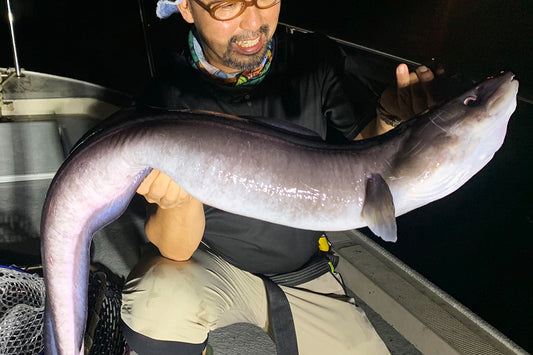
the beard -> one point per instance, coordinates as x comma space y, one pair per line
242, 62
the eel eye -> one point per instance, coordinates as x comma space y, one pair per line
470, 101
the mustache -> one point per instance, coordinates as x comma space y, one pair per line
264, 29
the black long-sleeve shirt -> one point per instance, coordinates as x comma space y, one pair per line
305, 85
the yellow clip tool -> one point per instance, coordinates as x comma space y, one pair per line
323, 244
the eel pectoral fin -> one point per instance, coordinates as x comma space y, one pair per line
378, 208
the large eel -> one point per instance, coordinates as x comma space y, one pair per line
245, 167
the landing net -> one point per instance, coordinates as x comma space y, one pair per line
22, 299
21, 312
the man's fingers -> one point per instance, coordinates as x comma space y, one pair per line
413, 94
154, 186
159, 186
144, 187
407, 86
174, 196
402, 76
417, 96
424, 74
427, 82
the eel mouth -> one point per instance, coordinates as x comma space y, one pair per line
504, 90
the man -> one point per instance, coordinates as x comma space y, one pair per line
212, 268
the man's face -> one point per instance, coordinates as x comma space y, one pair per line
234, 45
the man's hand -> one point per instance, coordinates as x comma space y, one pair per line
177, 225
158, 188
412, 95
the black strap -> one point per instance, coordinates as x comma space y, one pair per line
281, 323
145, 345
317, 266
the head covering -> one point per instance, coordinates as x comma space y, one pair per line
165, 8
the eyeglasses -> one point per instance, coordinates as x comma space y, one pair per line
228, 10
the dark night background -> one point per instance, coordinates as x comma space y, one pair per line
476, 244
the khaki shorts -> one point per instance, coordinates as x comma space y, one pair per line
184, 301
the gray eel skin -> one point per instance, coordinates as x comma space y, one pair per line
246, 167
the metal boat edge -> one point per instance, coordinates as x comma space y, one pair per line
429, 318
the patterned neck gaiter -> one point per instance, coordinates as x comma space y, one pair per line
245, 78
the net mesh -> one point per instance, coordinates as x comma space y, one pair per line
22, 298
21, 312
104, 335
